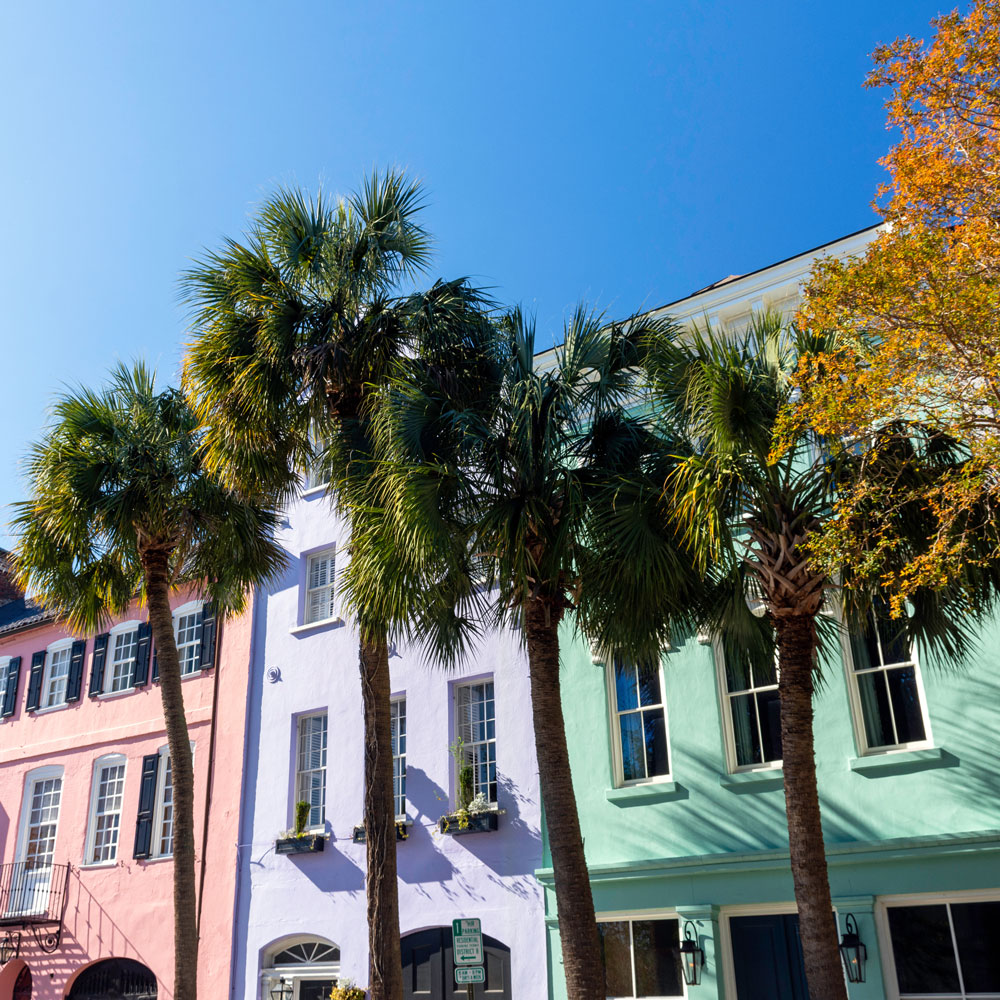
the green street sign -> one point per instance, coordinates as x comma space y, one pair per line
467, 942
472, 974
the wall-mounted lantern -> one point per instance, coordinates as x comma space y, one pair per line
282, 990
853, 952
692, 956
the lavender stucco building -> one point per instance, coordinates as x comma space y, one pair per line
301, 917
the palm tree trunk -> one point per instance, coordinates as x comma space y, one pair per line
385, 963
581, 947
817, 927
156, 571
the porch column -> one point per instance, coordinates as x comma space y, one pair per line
863, 908
705, 918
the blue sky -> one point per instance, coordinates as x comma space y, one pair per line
620, 153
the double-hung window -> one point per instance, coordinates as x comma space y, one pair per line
123, 647
751, 710
886, 690
163, 822
310, 778
56, 675
475, 711
105, 810
187, 633
946, 949
320, 586
4, 670
399, 756
640, 722
641, 958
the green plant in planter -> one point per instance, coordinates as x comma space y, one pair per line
466, 775
302, 810
346, 990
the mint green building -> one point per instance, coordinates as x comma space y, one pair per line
679, 786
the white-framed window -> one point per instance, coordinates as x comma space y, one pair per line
639, 722
475, 716
4, 669
751, 711
56, 673
641, 957
187, 634
886, 691
40, 816
123, 645
943, 946
320, 568
310, 965
310, 769
163, 814
398, 709
106, 797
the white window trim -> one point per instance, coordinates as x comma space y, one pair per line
129, 626
53, 647
617, 916
395, 700
884, 903
161, 780
30, 780
854, 701
307, 557
4, 665
108, 760
467, 683
728, 732
321, 826
192, 607
617, 764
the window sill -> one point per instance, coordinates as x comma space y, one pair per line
314, 491
744, 782
645, 794
98, 865
902, 762
50, 708
115, 694
326, 623
156, 860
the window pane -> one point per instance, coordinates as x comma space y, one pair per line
655, 731
737, 669
657, 962
977, 930
864, 650
895, 648
921, 946
625, 689
745, 733
905, 695
649, 686
769, 710
617, 958
633, 752
875, 709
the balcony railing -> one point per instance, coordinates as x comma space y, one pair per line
34, 896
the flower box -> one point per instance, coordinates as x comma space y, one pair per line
309, 844
458, 824
402, 832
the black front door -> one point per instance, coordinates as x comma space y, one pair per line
115, 979
767, 957
429, 970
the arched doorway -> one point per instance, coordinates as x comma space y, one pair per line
114, 979
429, 969
22, 986
310, 965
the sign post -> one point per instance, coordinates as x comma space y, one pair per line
467, 948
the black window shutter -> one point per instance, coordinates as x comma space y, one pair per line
147, 805
156, 667
209, 628
13, 681
97, 664
35, 680
140, 665
75, 679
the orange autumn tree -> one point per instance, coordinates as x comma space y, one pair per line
919, 313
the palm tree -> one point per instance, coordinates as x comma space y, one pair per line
296, 330
542, 472
751, 515
121, 505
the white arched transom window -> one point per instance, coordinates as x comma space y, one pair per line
310, 965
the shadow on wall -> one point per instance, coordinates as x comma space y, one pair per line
90, 934
419, 860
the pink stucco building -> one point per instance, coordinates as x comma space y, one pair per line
85, 802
